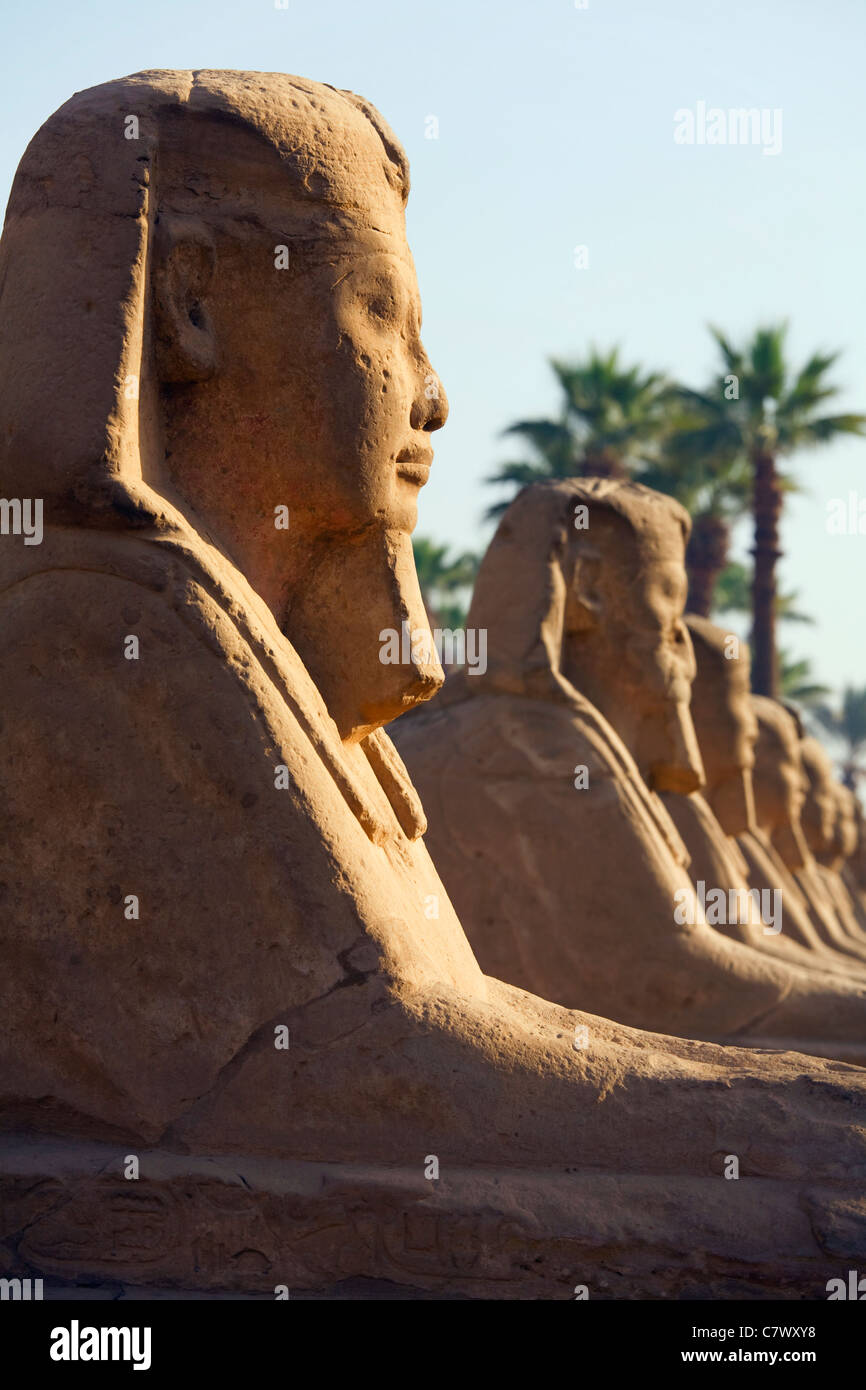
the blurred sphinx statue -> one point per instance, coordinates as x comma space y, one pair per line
728, 846
542, 780
846, 845
830, 831
779, 839
854, 869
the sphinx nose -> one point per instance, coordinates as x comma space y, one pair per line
668, 751
430, 406
685, 650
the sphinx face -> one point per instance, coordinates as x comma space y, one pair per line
727, 733
322, 401
821, 805
302, 442
634, 657
778, 777
661, 647
858, 854
847, 834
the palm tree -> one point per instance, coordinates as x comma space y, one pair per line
714, 488
734, 595
759, 411
441, 579
796, 682
848, 725
610, 415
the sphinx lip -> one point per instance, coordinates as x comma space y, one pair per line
414, 465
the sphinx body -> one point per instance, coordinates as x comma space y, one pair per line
224, 945
830, 830
846, 840
572, 883
730, 727
854, 868
750, 753
773, 844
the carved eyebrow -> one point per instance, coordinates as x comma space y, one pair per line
363, 268
404, 292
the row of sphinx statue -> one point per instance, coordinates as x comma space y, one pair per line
697, 810
569, 991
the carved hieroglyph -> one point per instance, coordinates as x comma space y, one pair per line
226, 952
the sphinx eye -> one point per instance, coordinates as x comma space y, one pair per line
381, 306
386, 304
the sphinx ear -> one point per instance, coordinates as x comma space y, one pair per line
183, 266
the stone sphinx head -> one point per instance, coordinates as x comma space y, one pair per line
213, 272
857, 863
778, 779
847, 833
828, 816
725, 722
583, 588
820, 803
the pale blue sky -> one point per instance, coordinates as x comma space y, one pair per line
556, 130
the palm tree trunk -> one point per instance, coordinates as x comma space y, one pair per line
706, 557
767, 509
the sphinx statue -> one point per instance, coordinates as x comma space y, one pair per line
846, 842
830, 830
854, 868
542, 781
751, 874
244, 1041
774, 846
797, 811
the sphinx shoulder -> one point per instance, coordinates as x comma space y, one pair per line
507, 736
96, 647
119, 695
161, 880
